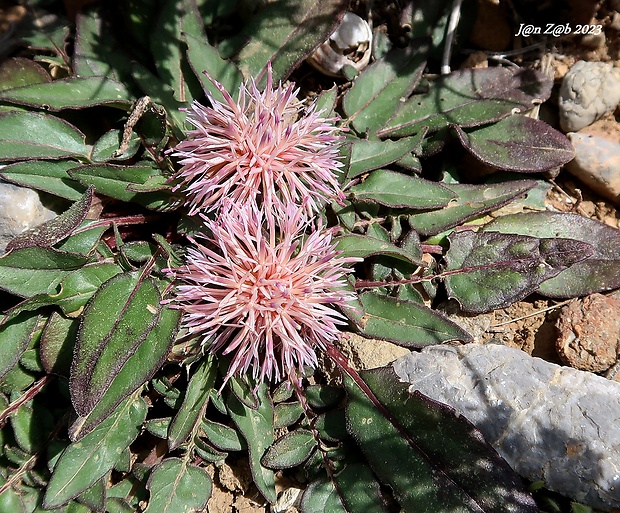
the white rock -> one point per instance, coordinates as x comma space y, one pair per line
589, 91
20, 209
551, 423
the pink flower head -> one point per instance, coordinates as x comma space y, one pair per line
262, 149
262, 289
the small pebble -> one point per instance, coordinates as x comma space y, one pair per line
20, 209
589, 91
589, 333
597, 158
550, 423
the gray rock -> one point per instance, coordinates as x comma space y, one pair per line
597, 162
551, 423
20, 209
589, 91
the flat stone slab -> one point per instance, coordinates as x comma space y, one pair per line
551, 423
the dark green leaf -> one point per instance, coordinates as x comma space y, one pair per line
223, 437
406, 323
30, 271
518, 143
85, 238
331, 426
108, 144
323, 396
204, 57
95, 496
49, 233
16, 332
286, 34
158, 427
116, 320
397, 190
363, 246
85, 462
194, 403
48, 176
286, 414
19, 72
471, 201
114, 181
256, 426
32, 424
597, 273
493, 270
177, 487
207, 452
57, 343
432, 459
321, 497
290, 450
369, 155
70, 93
469, 97
148, 358
375, 95
29, 135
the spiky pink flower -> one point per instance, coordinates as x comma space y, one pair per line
265, 149
262, 289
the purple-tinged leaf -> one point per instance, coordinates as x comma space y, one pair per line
56, 229
518, 143
373, 97
433, 459
471, 201
469, 97
148, 358
116, 320
490, 270
597, 273
20, 72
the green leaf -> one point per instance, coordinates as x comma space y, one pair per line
47, 176
406, 323
432, 459
83, 463
286, 414
16, 332
19, 72
597, 273
331, 426
222, 437
96, 52
369, 155
518, 143
57, 343
70, 93
493, 270
85, 238
375, 95
204, 57
177, 487
148, 358
290, 450
323, 396
30, 271
322, 497
29, 135
116, 320
114, 181
53, 231
194, 403
285, 35
469, 97
397, 190
471, 201
107, 145
363, 246
75, 289
256, 426
32, 424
